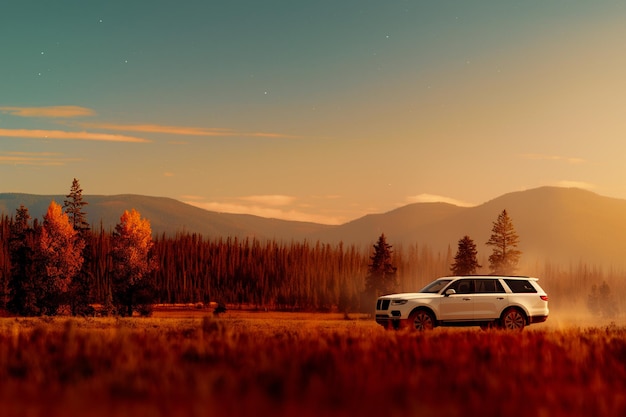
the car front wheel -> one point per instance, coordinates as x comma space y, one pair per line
513, 319
421, 320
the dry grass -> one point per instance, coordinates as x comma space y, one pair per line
270, 364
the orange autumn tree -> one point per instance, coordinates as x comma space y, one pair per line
132, 289
60, 253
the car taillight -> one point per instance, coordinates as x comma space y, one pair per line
544, 297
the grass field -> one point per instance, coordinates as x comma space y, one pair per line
296, 364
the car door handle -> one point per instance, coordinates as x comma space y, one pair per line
500, 298
466, 299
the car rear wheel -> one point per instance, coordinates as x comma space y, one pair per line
421, 320
513, 319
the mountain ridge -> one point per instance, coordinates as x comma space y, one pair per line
561, 225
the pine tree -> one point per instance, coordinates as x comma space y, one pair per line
381, 278
504, 240
61, 256
600, 301
132, 264
73, 207
79, 294
465, 262
23, 284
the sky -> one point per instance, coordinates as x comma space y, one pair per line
320, 111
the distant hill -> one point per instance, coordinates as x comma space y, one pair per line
562, 225
167, 216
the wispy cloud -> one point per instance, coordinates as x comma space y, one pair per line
268, 206
69, 112
50, 111
434, 198
270, 200
34, 158
179, 130
267, 212
150, 128
65, 135
575, 184
537, 157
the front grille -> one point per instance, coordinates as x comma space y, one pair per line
382, 304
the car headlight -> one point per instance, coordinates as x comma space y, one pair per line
398, 302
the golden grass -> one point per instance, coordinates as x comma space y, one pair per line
271, 364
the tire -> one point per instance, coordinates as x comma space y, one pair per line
421, 320
513, 319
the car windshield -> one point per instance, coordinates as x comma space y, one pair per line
435, 286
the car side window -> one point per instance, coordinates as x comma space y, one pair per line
488, 286
463, 286
520, 286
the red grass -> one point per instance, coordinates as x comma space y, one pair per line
288, 366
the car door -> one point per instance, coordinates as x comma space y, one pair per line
458, 306
490, 298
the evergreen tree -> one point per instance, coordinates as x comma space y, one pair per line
381, 278
132, 264
79, 293
601, 302
23, 284
73, 207
504, 240
465, 262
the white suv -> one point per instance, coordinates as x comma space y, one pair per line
486, 301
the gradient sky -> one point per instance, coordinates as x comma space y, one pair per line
318, 111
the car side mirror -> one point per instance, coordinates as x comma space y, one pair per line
450, 291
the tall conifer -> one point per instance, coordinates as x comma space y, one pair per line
381, 278
73, 206
465, 262
504, 240
79, 294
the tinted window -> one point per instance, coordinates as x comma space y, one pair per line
488, 286
436, 286
463, 286
519, 285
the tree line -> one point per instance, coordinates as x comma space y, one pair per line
382, 278
63, 263
50, 265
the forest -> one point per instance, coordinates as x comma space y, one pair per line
263, 274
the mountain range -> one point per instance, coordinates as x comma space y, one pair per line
559, 225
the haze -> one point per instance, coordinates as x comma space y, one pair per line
317, 111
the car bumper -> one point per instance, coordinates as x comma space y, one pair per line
538, 319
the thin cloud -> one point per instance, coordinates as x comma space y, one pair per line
576, 184
270, 200
50, 111
191, 197
538, 157
180, 130
64, 135
175, 130
34, 158
267, 135
267, 212
434, 198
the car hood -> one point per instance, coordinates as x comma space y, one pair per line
409, 296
